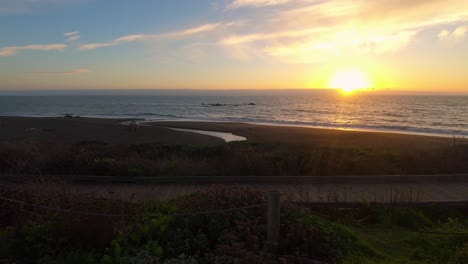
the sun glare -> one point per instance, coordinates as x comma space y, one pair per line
349, 81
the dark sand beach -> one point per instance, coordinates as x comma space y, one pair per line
303, 137
73, 130
105, 147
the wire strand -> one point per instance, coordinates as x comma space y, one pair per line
126, 215
221, 210
217, 212
59, 209
309, 210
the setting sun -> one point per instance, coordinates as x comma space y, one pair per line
349, 80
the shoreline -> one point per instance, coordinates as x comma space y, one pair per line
226, 136
144, 120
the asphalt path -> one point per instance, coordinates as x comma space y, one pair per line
307, 189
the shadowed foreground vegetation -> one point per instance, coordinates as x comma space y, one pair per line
149, 232
236, 158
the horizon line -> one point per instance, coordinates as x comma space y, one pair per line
178, 91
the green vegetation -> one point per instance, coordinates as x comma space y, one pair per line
156, 232
236, 158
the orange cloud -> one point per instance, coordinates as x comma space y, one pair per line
310, 31
457, 34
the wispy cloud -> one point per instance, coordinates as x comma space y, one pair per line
307, 31
255, 3
76, 71
163, 36
458, 34
72, 36
93, 46
69, 34
12, 50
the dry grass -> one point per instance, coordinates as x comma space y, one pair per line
237, 158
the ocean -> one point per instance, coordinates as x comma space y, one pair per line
434, 115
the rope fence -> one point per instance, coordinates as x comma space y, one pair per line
60, 210
220, 211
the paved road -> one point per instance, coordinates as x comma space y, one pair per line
335, 189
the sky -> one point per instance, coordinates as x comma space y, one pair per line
417, 45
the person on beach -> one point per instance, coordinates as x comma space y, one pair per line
133, 125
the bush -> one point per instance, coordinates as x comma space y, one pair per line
403, 217
167, 232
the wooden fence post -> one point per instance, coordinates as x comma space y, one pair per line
273, 217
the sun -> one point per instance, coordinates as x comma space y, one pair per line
349, 80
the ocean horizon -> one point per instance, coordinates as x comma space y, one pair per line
222, 92
410, 114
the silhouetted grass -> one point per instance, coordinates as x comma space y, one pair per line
241, 158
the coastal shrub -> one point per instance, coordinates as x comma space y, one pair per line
291, 164
18, 157
438, 248
461, 256
34, 241
240, 236
236, 158
88, 231
157, 151
102, 166
139, 239
403, 217
401, 240
228, 237
43, 242
174, 232
74, 257
313, 237
137, 171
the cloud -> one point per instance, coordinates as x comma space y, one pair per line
444, 34
307, 31
72, 36
93, 46
163, 36
457, 34
76, 71
239, 39
255, 3
196, 30
12, 50
69, 34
